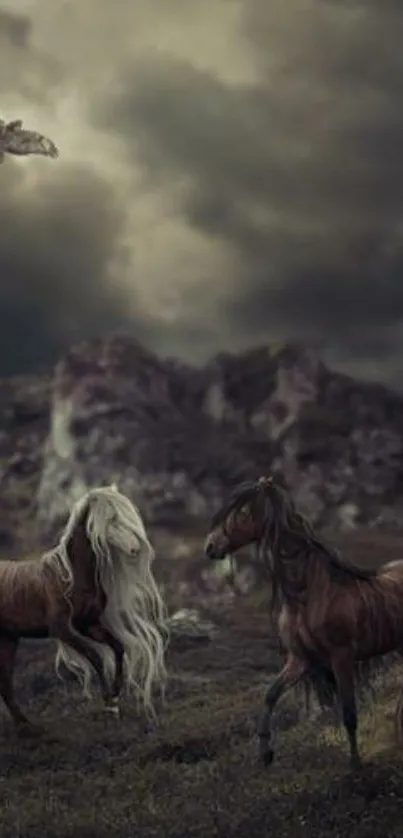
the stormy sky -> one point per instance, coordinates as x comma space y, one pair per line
230, 173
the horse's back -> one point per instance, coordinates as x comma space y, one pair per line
23, 598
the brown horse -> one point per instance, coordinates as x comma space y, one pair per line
95, 594
332, 615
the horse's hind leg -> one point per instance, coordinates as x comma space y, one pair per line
343, 669
289, 676
8, 653
100, 634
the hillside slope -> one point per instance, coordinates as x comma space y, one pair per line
175, 438
196, 774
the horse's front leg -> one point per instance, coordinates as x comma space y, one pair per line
62, 628
100, 634
289, 676
343, 668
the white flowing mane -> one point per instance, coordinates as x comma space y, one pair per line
135, 612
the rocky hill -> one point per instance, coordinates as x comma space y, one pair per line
176, 437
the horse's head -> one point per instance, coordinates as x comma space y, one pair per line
241, 521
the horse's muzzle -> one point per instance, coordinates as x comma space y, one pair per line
216, 550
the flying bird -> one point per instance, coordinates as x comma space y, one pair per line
14, 139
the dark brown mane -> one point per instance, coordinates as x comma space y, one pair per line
245, 493
283, 520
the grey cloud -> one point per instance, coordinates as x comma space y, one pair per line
24, 69
264, 140
301, 172
55, 245
15, 29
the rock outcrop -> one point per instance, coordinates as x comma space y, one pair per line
175, 438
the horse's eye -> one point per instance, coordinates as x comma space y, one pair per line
244, 512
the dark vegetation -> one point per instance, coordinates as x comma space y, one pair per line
196, 772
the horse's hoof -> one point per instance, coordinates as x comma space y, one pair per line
267, 757
114, 712
112, 708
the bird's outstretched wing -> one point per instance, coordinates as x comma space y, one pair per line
14, 139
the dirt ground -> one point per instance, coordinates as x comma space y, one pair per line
196, 774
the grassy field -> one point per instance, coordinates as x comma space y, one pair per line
196, 774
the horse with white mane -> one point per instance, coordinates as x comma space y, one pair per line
95, 594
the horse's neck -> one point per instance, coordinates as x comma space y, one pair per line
294, 560
82, 560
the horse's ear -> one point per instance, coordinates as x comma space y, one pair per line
114, 487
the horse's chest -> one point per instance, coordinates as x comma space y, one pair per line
292, 629
90, 603
299, 635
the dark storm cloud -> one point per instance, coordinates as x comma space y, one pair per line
60, 225
300, 171
55, 245
14, 29
236, 168
24, 70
